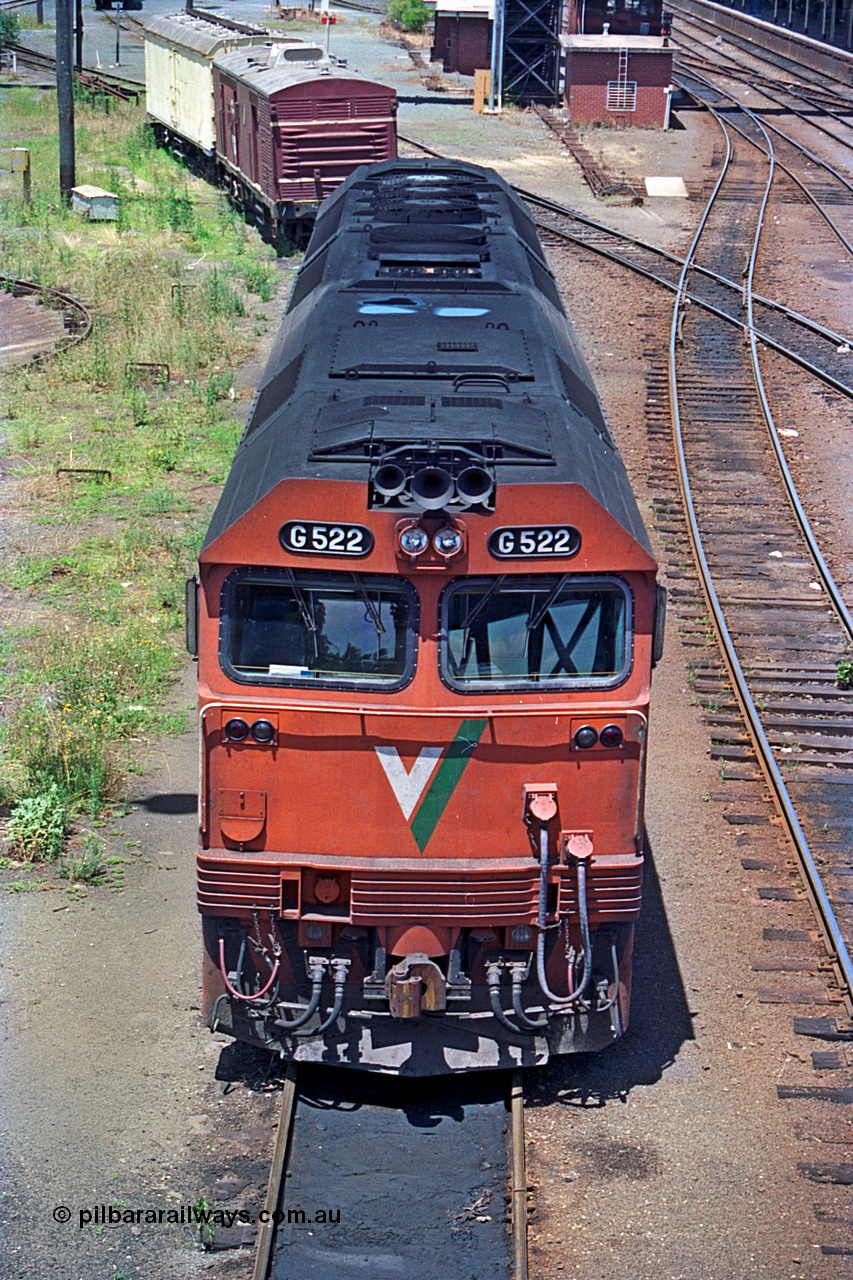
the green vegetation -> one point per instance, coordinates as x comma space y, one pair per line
10, 29
87, 867
205, 1229
844, 673
118, 446
36, 829
411, 15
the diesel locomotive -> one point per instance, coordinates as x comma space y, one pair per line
425, 617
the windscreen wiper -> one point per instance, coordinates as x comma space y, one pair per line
372, 611
475, 611
535, 618
307, 616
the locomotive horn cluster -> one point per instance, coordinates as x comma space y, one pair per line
431, 487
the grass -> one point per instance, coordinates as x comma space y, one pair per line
100, 553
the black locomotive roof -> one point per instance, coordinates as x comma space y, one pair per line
424, 327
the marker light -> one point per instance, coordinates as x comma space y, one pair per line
586, 737
315, 932
611, 736
263, 731
414, 541
448, 542
521, 933
236, 730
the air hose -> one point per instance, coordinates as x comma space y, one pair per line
316, 969
543, 922
340, 978
238, 995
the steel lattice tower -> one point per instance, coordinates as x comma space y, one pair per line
531, 62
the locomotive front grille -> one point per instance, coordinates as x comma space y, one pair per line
228, 889
490, 898
483, 898
399, 897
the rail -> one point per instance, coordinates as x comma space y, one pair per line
380, 1123
764, 752
76, 318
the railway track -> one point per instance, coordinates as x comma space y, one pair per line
37, 321
791, 53
802, 98
782, 623
805, 342
95, 81
377, 1176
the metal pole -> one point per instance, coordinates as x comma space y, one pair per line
775, 9
79, 31
40, 12
790, 12
822, 24
806, 19
502, 7
118, 33
849, 39
832, 20
494, 76
65, 99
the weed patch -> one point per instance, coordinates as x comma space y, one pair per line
116, 444
36, 830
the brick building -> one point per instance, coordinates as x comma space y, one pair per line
618, 80
463, 35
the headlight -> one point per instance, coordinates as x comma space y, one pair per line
522, 933
263, 731
413, 541
611, 736
448, 542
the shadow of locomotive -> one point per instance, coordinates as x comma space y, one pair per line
660, 1022
172, 802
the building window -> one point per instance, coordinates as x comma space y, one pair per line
621, 95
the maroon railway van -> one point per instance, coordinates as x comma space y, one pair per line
289, 130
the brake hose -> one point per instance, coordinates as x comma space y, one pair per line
543, 921
316, 973
340, 983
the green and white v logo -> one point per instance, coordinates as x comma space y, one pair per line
409, 786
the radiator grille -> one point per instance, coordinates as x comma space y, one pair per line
613, 893
226, 889
398, 897
401, 897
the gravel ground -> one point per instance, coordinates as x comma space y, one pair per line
670, 1157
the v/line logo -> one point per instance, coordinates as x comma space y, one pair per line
428, 778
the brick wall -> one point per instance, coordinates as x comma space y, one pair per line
463, 44
587, 74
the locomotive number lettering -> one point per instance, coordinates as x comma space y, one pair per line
308, 537
557, 541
